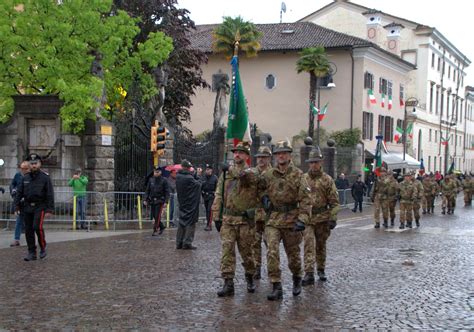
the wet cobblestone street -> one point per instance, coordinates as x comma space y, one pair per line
377, 279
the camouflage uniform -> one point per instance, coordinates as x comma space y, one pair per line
468, 188
430, 189
449, 188
417, 201
238, 225
380, 198
325, 205
393, 190
260, 216
408, 193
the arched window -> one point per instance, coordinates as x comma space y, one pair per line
270, 81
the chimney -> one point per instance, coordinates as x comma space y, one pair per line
393, 37
374, 26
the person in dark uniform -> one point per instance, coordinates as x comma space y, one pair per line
37, 191
208, 191
157, 194
358, 191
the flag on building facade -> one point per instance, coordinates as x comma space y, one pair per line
238, 126
382, 103
422, 167
451, 168
402, 103
444, 141
314, 109
390, 102
322, 112
410, 130
378, 155
372, 97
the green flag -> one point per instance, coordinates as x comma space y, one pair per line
238, 124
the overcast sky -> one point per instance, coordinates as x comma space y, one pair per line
452, 18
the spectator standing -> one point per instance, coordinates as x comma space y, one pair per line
358, 191
172, 185
188, 189
369, 182
157, 194
208, 190
19, 224
37, 191
342, 184
79, 182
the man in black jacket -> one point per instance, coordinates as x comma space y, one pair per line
208, 190
358, 190
37, 191
188, 188
157, 194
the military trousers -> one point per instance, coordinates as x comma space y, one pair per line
427, 202
380, 205
291, 243
406, 212
391, 206
257, 247
244, 237
448, 201
315, 238
416, 209
467, 196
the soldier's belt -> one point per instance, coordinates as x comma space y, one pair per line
318, 210
233, 213
285, 208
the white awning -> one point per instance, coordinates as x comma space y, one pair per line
411, 162
394, 160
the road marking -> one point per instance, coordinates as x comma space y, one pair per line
363, 228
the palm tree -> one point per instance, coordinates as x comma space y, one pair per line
236, 34
313, 60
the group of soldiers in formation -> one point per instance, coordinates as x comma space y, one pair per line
414, 194
279, 204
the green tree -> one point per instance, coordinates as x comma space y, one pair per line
51, 48
346, 138
235, 30
313, 60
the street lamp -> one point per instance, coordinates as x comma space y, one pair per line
410, 102
330, 85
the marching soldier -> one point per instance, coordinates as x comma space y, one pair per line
37, 191
380, 198
264, 157
449, 189
325, 205
288, 205
468, 188
393, 190
238, 194
430, 189
408, 194
417, 202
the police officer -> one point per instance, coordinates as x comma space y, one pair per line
208, 191
157, 194
264, 158
325, 205
37, 191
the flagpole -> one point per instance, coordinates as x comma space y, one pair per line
319, 112
226, 151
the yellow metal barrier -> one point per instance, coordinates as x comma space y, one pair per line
106, 215
74, 212
139, 207
168, 215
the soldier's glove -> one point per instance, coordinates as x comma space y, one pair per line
267, 204
332, 224
299, 226
218, 224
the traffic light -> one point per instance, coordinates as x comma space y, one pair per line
162, 132
154, 138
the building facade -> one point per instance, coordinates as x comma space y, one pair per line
438, 132
468, 149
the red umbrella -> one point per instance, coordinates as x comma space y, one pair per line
175, 167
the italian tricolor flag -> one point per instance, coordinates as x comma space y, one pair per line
390, 102
383, 100
402, 103
238, 126
399, 134
372, 97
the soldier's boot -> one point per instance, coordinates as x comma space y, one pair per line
409, 225
162, 227
227, 289
392, 222
424, 211
385, 223
277, 292
251, 287
31, 256
402, 226
417, 221
322, 275
308, 279
296, 285
258, 273
443, 211
432, 210
377, 225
